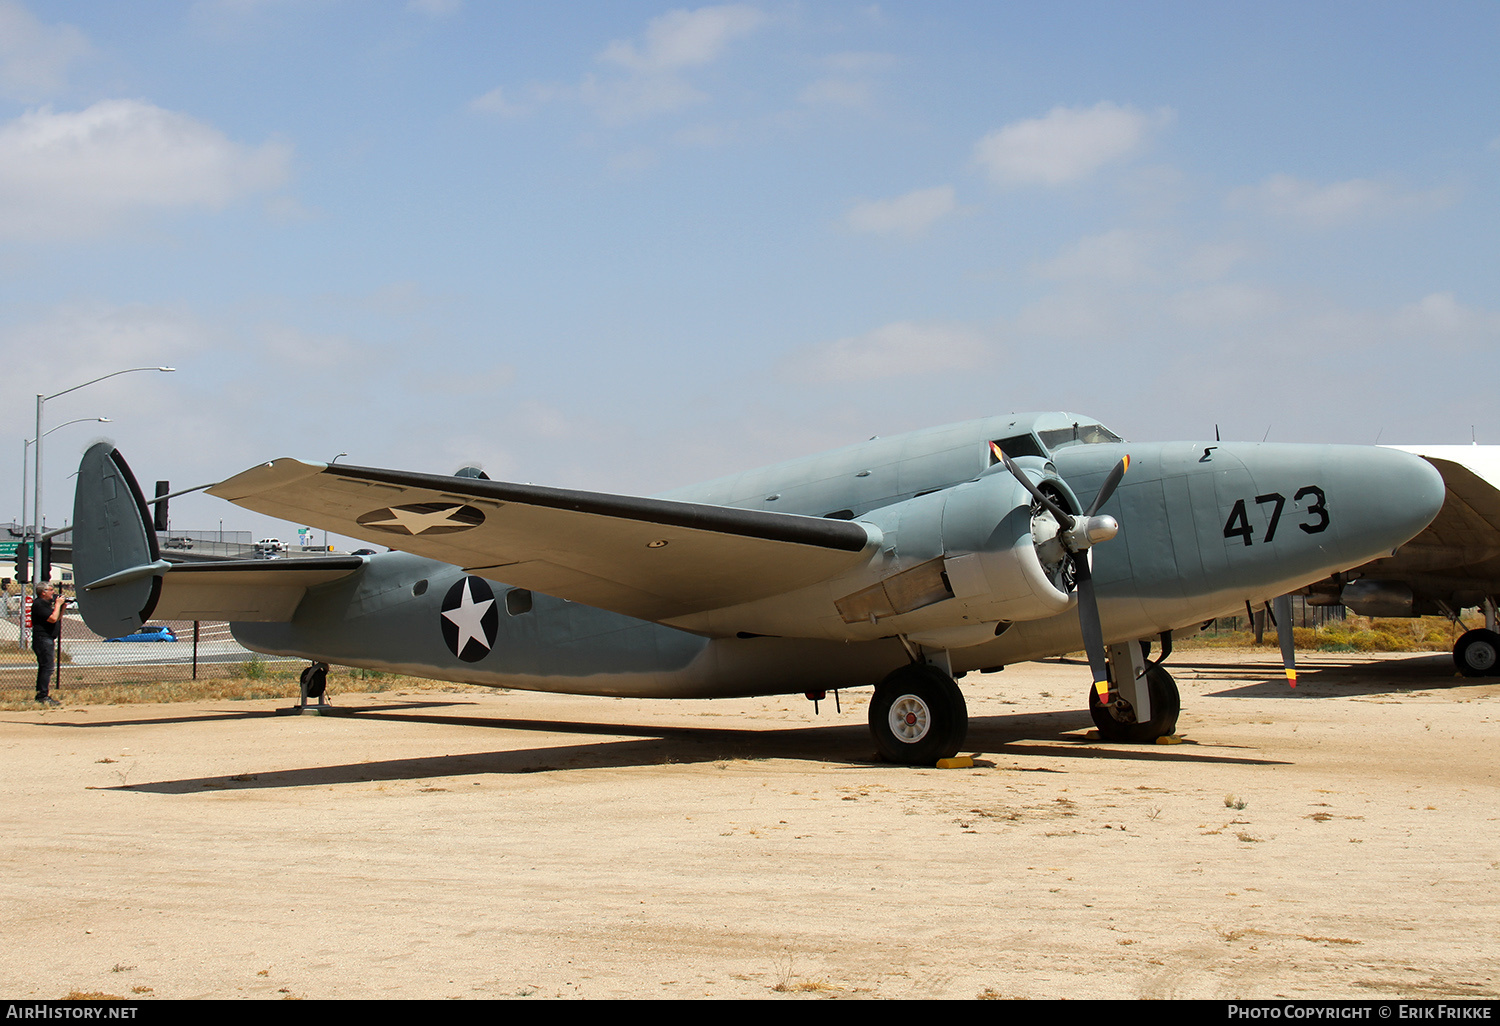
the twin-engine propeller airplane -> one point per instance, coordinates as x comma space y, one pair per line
903, 562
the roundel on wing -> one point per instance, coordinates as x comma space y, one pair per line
422, 518
470, 619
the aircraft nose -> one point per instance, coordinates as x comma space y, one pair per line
1407, 494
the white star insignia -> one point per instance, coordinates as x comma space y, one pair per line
414, 521
467, 618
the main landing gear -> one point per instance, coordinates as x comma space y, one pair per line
918, 715
1477, 653
1143, 699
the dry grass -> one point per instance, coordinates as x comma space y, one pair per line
1352, 634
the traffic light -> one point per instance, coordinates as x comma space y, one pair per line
23, 562
162, 488
45, 570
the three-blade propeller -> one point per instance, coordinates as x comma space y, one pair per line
1078, 535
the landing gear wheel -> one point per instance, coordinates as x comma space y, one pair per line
315, 677
1117, 722
918, 716
1477, 654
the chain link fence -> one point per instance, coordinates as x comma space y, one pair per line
172, 650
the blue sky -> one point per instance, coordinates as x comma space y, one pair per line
626, 246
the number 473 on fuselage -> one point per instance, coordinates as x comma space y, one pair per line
902, 562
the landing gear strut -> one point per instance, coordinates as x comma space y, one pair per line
918, 716
1144, 702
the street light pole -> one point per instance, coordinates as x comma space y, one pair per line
26, 448
25, 445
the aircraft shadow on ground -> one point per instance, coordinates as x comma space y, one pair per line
847, 746
1322, 680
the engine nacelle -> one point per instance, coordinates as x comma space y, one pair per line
1379, 598
968, 559
953, 568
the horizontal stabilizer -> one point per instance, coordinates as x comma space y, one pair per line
246, 590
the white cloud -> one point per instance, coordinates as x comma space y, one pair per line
1439, 316
1285, 196
1224, 307
847, 83
1068, 144
34, 58
642, 78
496, 102
78, 342
1119, 255
619, 101
77, 173
684, 39
899, 349
910, 214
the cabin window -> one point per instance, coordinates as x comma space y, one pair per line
420, 588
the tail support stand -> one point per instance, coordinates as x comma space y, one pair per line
314, 685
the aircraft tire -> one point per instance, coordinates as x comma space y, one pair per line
1477, 654
1166, 704
918, 716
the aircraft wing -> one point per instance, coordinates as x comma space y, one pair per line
654, 559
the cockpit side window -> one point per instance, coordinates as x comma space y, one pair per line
1019, 445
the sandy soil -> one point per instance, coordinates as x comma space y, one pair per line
1336, 841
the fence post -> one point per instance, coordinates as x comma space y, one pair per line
195, 649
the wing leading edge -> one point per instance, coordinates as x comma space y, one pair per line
654, 559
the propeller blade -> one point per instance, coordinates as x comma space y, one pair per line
1063, 518
1110, 484
1088, 621
1282, 613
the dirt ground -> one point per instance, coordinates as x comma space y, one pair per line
1336, 841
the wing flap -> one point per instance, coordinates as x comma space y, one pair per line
650, 558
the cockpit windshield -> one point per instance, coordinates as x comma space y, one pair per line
1041, 434
1078, 434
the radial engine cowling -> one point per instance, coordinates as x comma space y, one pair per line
966, 559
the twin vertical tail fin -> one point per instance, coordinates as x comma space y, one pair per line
116, 563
